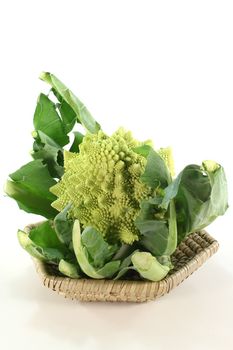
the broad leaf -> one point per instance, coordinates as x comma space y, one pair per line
78, 138
99, 250
50, 255
125, 266
84, 260
158, 229
50, 153
82, 113
193, 178
124, 251
109, 269
47, 120
165, 260
68, 115
63, 226
30, 188
156, 173
27, 244
45, 236
149, 267
155, 235
200, 196
172, 227
68, 269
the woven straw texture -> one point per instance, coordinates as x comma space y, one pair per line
187, 258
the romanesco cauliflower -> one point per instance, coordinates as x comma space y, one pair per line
103, 185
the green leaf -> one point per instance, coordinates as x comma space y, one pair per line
29, 246
68, 269
82, 113
124, 251
191, 177
156, 173
47, 120
123, 271
150, 210
78, 138
43, 243
84, 260
143, 150
63, 226
149, 267
158, 228
81, 253
155, 236
200, 196
30, 188
127, 261
165, 260
50, 153
99, 250
45, 236
68, 115
154, 232
50, 255
172, 227
109, 269
125, 265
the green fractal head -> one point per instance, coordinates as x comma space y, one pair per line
102, 184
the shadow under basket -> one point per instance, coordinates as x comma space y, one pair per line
188, 257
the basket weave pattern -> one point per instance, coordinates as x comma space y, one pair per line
188, 257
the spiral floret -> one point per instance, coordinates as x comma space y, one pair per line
103, 185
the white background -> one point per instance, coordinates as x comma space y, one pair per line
163, 69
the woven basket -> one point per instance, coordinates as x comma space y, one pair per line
187, 258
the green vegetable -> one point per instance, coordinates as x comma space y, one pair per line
200, 194
82, 113
43, 243
106, 175
45, 236
47, 120
78, 138
83, 258
29, 186
125, 266
114, 206
157, 226
67, 114
49, 152
51, 255
156, 172
63, 226
98, 250
149, 267
68, 269
27, 244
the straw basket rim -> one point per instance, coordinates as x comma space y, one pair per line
188, 257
